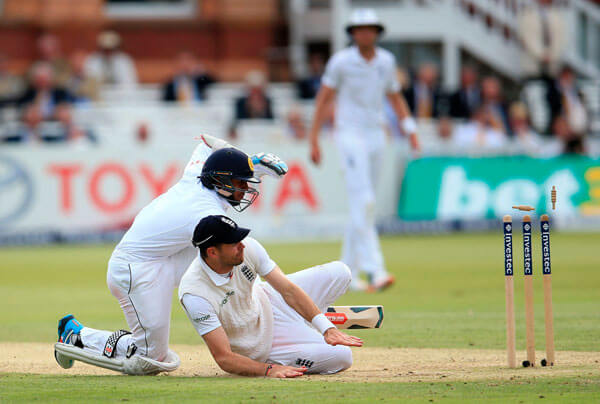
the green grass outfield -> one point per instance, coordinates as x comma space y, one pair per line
449, 294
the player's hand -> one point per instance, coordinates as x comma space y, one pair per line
415, 145
283, 372
315, 152
333, 336
268, 164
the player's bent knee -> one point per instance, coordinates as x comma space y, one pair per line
345, 359
341, 271
341, 361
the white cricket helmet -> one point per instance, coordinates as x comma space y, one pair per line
364, 17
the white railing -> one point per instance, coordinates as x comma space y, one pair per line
585, 20
503, 12
583, 24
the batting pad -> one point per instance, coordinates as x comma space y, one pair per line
82, 355
136, 365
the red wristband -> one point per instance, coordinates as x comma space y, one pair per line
268, 369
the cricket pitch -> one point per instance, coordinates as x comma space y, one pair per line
370, 364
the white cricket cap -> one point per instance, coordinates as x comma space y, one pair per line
109, 40
256, 78
364, 17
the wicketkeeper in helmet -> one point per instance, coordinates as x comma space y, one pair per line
362, 76
153, 255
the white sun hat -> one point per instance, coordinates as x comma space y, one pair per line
364, 17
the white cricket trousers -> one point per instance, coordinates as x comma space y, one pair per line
295, 341
360, 153
145, 294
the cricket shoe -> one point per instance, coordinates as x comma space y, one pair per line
381, 283
358, 285
68, 333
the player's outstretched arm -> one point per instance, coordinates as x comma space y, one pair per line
230, 362
298, 300
400, 107
324, 97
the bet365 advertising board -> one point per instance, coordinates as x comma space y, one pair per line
456, 188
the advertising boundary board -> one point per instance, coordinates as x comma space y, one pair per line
463, 188
58, 194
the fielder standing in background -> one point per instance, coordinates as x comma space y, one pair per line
362, 76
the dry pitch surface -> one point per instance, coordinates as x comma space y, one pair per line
370, 364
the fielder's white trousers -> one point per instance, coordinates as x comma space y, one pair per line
360, 153
295, 341
145, 293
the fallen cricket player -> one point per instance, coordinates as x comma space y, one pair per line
275, 328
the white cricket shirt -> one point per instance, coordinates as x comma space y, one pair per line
166, 225
200, 312
361, 86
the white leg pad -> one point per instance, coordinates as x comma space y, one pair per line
82, 355
136, 365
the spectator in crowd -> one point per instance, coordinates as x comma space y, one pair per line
109, 65
468, 97
69, 131
296, 125
50, 52
255, 104
403, 77
142, 134
189, 82
570, 142
30, 129
309, 86
542, 30
424, 97
83, 87
11, 85
445, 130
526, 139
42, 91
445, 139
492, 101
481, 131
565, 99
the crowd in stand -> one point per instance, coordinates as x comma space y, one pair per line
477, 115
54, 85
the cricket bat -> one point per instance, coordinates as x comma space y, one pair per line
355, 316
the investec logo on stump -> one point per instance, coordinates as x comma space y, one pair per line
546, 248
508, 258
527, 249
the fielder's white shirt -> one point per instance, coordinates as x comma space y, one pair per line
361, 86
200, 312
165, 226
